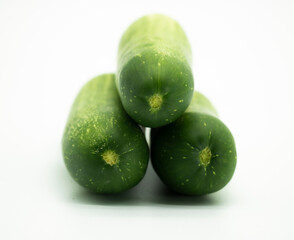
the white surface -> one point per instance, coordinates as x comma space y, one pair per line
243, 61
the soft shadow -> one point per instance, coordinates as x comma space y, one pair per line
85, 197
149, 192
168, 197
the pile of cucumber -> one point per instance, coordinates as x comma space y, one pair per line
104, 144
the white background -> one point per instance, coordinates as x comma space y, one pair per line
243, 61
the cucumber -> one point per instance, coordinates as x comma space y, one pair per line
104, 150
154, 77
196, 154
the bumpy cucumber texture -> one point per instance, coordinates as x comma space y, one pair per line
154, 77
104, 150
196, 154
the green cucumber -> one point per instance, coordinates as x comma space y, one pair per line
196, 154
104, 150
154, 76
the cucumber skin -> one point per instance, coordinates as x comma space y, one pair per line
175, 150
155, 58
97, 123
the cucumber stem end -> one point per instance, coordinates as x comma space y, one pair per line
110, 157
205, 156
155, 102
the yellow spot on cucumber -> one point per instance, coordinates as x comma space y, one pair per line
205, 157
155, 102
110, 157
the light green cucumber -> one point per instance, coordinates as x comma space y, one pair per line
154, 76
196, 154
104, 150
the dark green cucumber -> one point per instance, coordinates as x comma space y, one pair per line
154, 77
104, 150
196, 154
